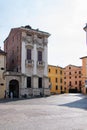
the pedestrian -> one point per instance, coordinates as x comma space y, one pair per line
5, 94
11, 95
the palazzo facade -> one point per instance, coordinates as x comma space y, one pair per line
27, 62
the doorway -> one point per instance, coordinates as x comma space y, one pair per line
14, 88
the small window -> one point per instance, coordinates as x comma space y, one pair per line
28, 34
69, 67
2, 68
1, 84
49, 70
39, 37
75, 76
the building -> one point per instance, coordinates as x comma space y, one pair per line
84, 68
84, 74
56, 76
72, 78
27, 62
2, 69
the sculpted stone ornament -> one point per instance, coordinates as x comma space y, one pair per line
35, 38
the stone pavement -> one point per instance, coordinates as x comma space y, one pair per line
58, 112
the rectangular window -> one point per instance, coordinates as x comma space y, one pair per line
79, 72
70, 84
28, 82
39, 55
64, 83
60, 80
80, 83
40, 82
61, 88
56, 80
28, 54
69, 73
61, 72
56, 87
75, 82
56, 71
49, 70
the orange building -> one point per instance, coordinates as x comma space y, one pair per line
56, 76
84, 74
84, 68
72, 78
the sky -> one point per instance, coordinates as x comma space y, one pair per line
63, 19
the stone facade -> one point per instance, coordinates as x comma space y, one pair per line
2, 69
26, 50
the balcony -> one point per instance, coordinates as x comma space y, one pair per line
40, 63
29, 63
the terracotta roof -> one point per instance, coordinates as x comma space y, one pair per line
83, 57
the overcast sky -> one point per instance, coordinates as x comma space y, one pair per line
63, 19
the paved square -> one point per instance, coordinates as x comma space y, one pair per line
58, 112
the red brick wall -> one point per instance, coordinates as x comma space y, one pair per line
12, 47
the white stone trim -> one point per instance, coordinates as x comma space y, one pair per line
23, 57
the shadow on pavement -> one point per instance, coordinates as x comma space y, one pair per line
81, 104
18, 99
9, 100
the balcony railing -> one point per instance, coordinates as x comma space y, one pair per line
40, 63
29, 62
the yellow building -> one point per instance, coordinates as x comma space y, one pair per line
56, 76
2, 69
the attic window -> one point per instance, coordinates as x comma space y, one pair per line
28, 34
39, 37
